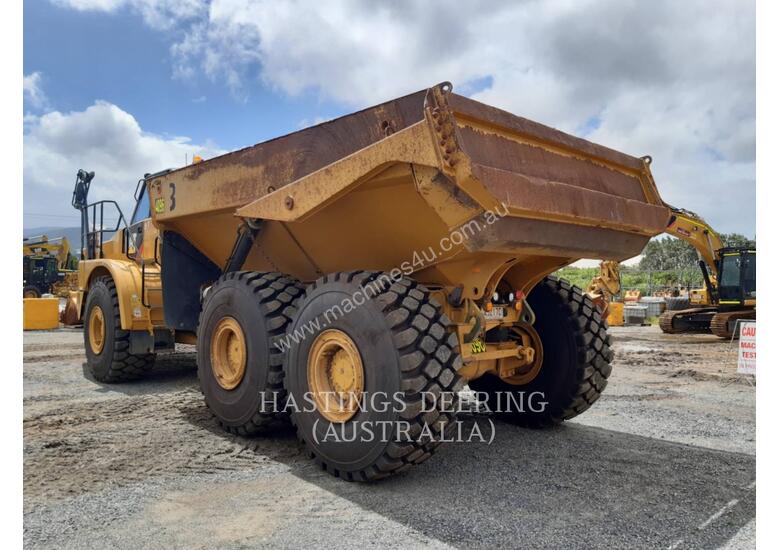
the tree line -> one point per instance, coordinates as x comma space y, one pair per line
666, 262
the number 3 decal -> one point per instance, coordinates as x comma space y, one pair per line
173, 196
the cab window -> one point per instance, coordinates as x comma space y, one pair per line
750, 274
142, 210
730, 273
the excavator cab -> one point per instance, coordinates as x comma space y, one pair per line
737, 278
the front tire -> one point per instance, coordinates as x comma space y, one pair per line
393, 348
575, 366
107, 345
31, 292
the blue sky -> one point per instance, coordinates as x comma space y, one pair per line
84, 56
125, 87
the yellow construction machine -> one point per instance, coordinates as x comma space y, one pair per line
729, 276
602, 289
48, 266
729, 294
394, 253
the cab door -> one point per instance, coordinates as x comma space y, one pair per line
142, 235
143, 246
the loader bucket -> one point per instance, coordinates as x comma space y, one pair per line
442, 187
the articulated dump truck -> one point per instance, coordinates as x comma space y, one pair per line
401, 251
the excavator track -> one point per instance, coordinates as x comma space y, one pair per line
686, 320
722, 324
666, 322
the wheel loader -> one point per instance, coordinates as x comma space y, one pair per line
729, 276
387, 257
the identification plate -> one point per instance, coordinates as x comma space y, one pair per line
494, 314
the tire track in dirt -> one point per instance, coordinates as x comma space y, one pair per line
91, 445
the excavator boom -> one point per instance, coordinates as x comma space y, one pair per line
691, 228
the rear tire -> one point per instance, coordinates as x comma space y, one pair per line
406, 353
261, 305
576, 361
108, 355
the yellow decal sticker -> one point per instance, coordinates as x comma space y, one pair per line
159, 205
477, 346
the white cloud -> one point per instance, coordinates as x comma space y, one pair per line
351, 51
33, 94
103, 138
675, 80
159, 14
94, 5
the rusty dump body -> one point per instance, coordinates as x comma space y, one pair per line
390, 186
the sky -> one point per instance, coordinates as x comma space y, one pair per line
126, 87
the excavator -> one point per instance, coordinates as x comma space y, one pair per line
48, 266
729, 294
729, 274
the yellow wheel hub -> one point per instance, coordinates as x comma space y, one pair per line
228, 353
335, 375
527, 334
97, 330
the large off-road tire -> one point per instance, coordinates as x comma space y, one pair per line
31, 292
244, 315
576, 361
399, 339
107, 345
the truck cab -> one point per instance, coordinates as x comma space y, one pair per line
119, 299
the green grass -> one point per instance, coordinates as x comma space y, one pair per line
633, 278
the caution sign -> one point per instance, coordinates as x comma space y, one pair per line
746, 363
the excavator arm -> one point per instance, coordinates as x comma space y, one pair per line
691, 228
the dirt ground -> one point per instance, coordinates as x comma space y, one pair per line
666, 459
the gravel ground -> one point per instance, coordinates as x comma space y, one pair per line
666, 459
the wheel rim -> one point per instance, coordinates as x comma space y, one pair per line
30, 294
529, 337
228, 353
97, 330
335, 375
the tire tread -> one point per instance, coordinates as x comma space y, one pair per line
419, 331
